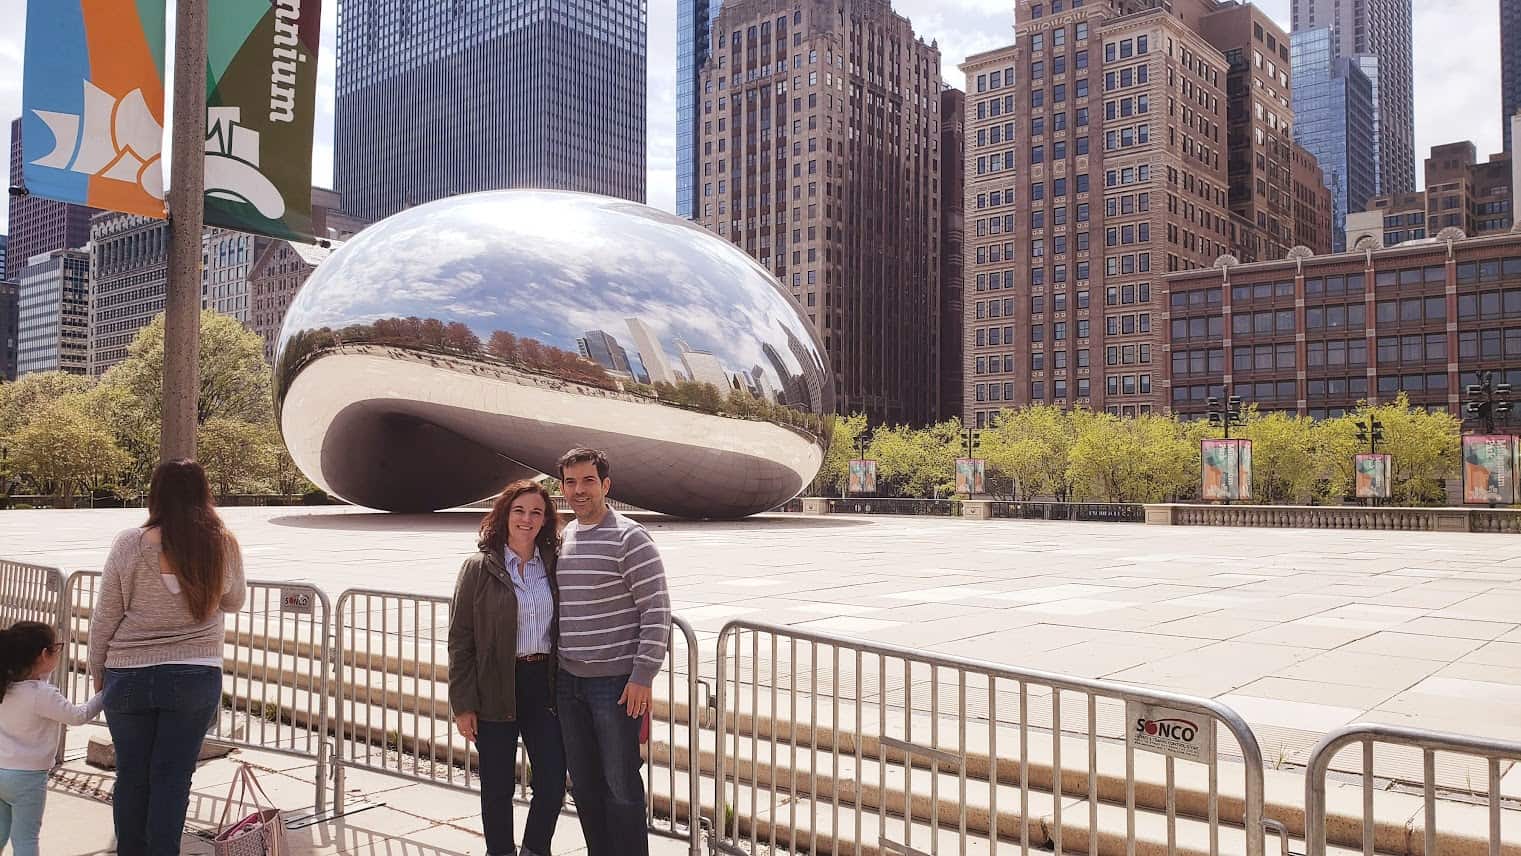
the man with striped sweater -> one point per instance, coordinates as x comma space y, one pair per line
615, 623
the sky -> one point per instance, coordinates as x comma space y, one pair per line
1457, 71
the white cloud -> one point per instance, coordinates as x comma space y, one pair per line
1457, 92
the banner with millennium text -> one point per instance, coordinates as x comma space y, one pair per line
92, 126
261, 87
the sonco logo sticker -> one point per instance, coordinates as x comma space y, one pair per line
1178, 733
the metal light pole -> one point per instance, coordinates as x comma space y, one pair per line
1487, 401
1373, 431
1231, 415
182, 302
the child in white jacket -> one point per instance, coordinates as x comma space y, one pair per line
31, 709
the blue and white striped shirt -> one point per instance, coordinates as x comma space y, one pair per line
536, 603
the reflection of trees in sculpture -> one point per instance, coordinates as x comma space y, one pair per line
430, 335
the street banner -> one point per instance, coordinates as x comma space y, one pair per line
1489, 469
863, 477
261, 86
1226, 467
1372, 475
92, 104
971, 476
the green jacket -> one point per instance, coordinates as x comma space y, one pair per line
483, 638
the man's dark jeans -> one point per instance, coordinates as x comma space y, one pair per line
602, 752
497, 743
158, 716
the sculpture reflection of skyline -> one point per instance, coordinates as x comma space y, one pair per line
601, 363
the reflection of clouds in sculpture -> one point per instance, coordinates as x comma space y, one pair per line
496, 284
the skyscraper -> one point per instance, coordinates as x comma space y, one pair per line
4, 244
821, 158
1333, 113
38, 225
1378, 30
651, 354
602, 349
276, 275
952, 242
10, 318
53, 330
1510, 64
129, 276
227, 259
437, 99
693, 42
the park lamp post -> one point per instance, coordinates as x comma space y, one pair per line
1487, 401
1227, 417
1370, 432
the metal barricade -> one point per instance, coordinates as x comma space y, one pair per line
28, 593
274, 674
858, 741
1429, 743
392, 715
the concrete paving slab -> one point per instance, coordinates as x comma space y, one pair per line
1336, 606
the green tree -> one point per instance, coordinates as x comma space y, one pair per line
917, 463
1424, 447
21, 401
235, 385
1145, 459
239, 456
64, 450
834, 472
1030, 446
1284, 461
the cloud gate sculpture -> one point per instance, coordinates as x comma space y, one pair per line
457, 345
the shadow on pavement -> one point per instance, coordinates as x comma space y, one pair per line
470, 520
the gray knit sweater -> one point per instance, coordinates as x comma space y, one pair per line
138, 622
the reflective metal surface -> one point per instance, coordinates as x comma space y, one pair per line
469, 341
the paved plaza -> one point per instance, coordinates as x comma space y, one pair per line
1299, 631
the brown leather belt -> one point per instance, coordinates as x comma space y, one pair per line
532, 658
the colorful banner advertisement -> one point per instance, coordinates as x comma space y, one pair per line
1371, 473
261, 87
92, 129
1227, 470
970, 476
1489, 469
863, 477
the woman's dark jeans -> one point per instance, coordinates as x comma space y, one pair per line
497, 744
158, 717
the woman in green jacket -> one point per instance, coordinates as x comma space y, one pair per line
502, 654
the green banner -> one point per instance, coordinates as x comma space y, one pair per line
261, 88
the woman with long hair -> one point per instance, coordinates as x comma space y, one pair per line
156, 646
502, 650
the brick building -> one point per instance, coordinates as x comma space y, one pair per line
1317, 335
1461, 192
276, 275
952, 244
1314, 204
819, 155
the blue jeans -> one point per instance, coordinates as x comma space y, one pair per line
22, 793
497, 743
158, 717
602, 754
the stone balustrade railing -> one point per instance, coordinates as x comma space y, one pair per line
1386, 518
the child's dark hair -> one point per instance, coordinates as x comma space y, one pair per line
20, 646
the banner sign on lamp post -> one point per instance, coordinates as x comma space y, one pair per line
261, 89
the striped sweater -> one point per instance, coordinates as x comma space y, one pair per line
615, 615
